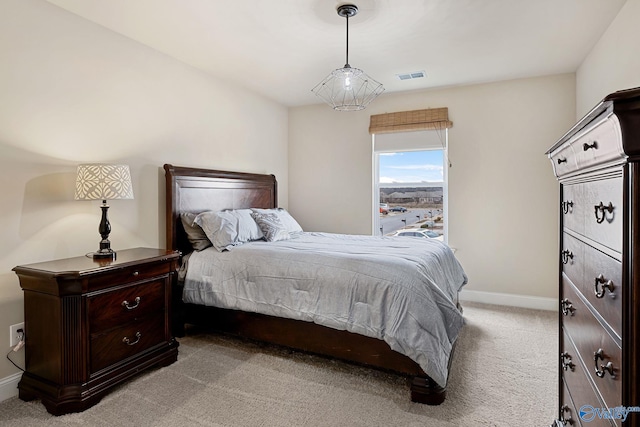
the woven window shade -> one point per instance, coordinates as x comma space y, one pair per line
403, 121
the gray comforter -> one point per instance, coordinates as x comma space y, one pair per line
398, 289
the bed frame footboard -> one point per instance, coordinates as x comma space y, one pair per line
314, 339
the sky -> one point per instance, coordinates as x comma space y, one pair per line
411, 166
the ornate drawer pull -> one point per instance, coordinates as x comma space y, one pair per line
564, 420
129, 342
602, 208
563, 160
567, 365
586, 146
606, 284
600, 372
567, 307
566, 256
566, 205
126, 305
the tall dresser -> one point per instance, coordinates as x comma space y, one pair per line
597, 163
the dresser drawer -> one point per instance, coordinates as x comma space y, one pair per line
594, 209
602, 144
564, 160
128, 275
603, 214
572, 258
572, 208
602, 286
582, 394
116, 307
590, 338
121, 343
586, 150
568, 412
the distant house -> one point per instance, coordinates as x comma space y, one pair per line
411, 196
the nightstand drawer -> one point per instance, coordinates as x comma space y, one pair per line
128, 275
121, 343
110, 309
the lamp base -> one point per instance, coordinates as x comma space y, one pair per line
104, 254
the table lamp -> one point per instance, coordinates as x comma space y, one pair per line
103, 182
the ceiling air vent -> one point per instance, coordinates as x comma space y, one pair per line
411, 76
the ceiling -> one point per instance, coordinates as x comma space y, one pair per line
283, 48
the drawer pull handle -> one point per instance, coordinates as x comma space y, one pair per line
566, 256
566, 206
567, 365
135, 273
126, 305
600, 372
564, 420
567, 307
606, 284
586, 146
127, 341
562, 160
602, 208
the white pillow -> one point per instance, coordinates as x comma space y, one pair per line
289, 223
248, 230
226, 229
271, 226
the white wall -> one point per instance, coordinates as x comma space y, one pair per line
73, 92
614, 62
503, 197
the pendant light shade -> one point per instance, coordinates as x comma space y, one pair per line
348, 88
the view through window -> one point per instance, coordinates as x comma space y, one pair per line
412, 193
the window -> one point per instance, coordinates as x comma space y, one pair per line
410, 173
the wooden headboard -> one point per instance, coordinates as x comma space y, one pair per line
198, 190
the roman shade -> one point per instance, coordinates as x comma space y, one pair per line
404, 121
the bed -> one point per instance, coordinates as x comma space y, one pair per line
219, 289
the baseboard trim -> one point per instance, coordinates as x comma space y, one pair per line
513, 300
9, 386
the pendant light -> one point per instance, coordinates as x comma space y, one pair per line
348, 88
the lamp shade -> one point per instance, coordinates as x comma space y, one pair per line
103, 182
348, 89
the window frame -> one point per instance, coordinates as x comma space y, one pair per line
444, 139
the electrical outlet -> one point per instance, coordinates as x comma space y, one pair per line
14, 336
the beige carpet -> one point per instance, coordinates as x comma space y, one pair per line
504, 374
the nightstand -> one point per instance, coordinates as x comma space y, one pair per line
90, 325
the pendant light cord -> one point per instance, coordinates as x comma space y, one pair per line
347, 59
